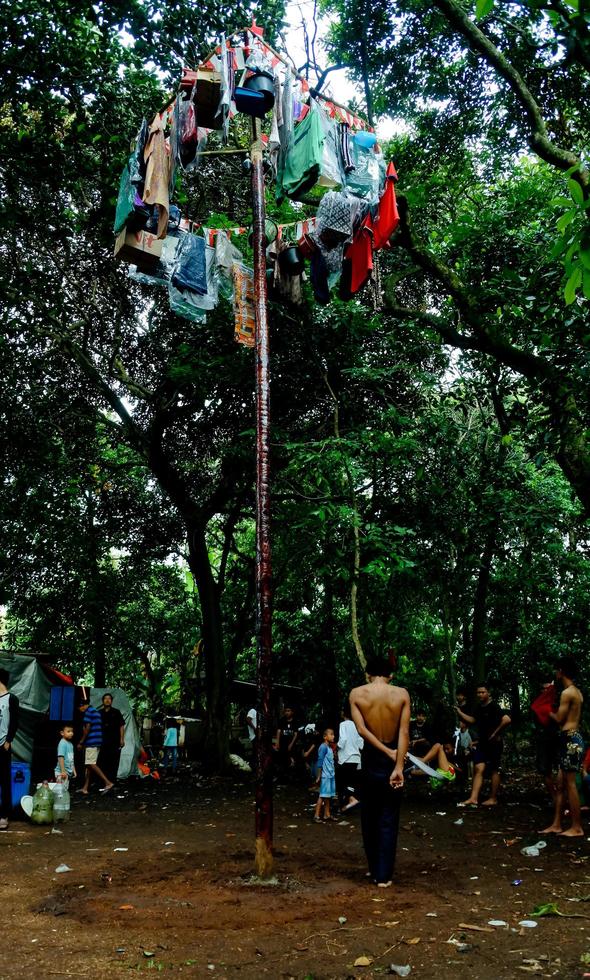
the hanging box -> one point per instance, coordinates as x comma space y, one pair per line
207, 95
142, 248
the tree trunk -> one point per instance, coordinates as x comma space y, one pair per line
480, 607
216, 746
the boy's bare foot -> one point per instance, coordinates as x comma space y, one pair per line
106, 789
490, 802
468, 803
553, 829
572, 833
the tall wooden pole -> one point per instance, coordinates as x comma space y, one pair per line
264, 801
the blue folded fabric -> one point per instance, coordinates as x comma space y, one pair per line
190, 267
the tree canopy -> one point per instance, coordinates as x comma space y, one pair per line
431, 469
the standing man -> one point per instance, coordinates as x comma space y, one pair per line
490, 720
90, 742
382, 717
8, 727
113, 738
571, 748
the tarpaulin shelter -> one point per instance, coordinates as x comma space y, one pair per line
33, 680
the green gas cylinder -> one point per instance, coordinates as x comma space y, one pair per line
43, 804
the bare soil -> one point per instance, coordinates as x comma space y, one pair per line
180, 899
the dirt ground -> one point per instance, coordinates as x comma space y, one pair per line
161, 880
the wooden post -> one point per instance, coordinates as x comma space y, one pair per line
264, 795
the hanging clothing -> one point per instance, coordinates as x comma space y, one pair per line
189, 271
244, 312
331, 172
358, 260
304, 156
226, 72
346, 161
157, 174
387, 218
126, 197
274, 140
136, 160
319, 278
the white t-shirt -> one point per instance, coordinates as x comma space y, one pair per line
4, 716
253, 717
349, 743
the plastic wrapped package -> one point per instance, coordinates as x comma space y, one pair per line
331, 171
226, 255
181, 304
368, 176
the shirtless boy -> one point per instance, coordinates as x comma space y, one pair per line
571, 749
381, 714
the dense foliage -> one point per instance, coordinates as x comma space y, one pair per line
431, 466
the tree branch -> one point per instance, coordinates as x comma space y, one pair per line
539, 140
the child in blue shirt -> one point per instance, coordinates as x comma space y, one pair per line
326, 777
65, 769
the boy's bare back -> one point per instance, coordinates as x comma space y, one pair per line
381, 708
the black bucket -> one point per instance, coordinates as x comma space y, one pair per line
291, 261
263, 83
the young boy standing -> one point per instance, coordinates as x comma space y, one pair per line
65, 768
327, 779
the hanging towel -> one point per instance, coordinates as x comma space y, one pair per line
157, 172
358, 260
304, 156
387, 218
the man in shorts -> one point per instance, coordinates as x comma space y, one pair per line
571, 749
490, 720
90, 742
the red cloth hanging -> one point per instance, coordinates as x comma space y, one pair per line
360, 255
544, 704
387, 218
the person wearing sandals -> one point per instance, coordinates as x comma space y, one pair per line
327, 777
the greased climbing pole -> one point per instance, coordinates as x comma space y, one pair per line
264, 801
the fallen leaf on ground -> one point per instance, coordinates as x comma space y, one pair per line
412, 942
362, 961
125, 908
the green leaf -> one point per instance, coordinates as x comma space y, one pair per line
565, 220
585, 258
483, 8
586, 283
576, 191
572, 285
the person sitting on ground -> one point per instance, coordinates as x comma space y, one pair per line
65, 770
327, 781
90, 742
491, 720
571, 749
443, 759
